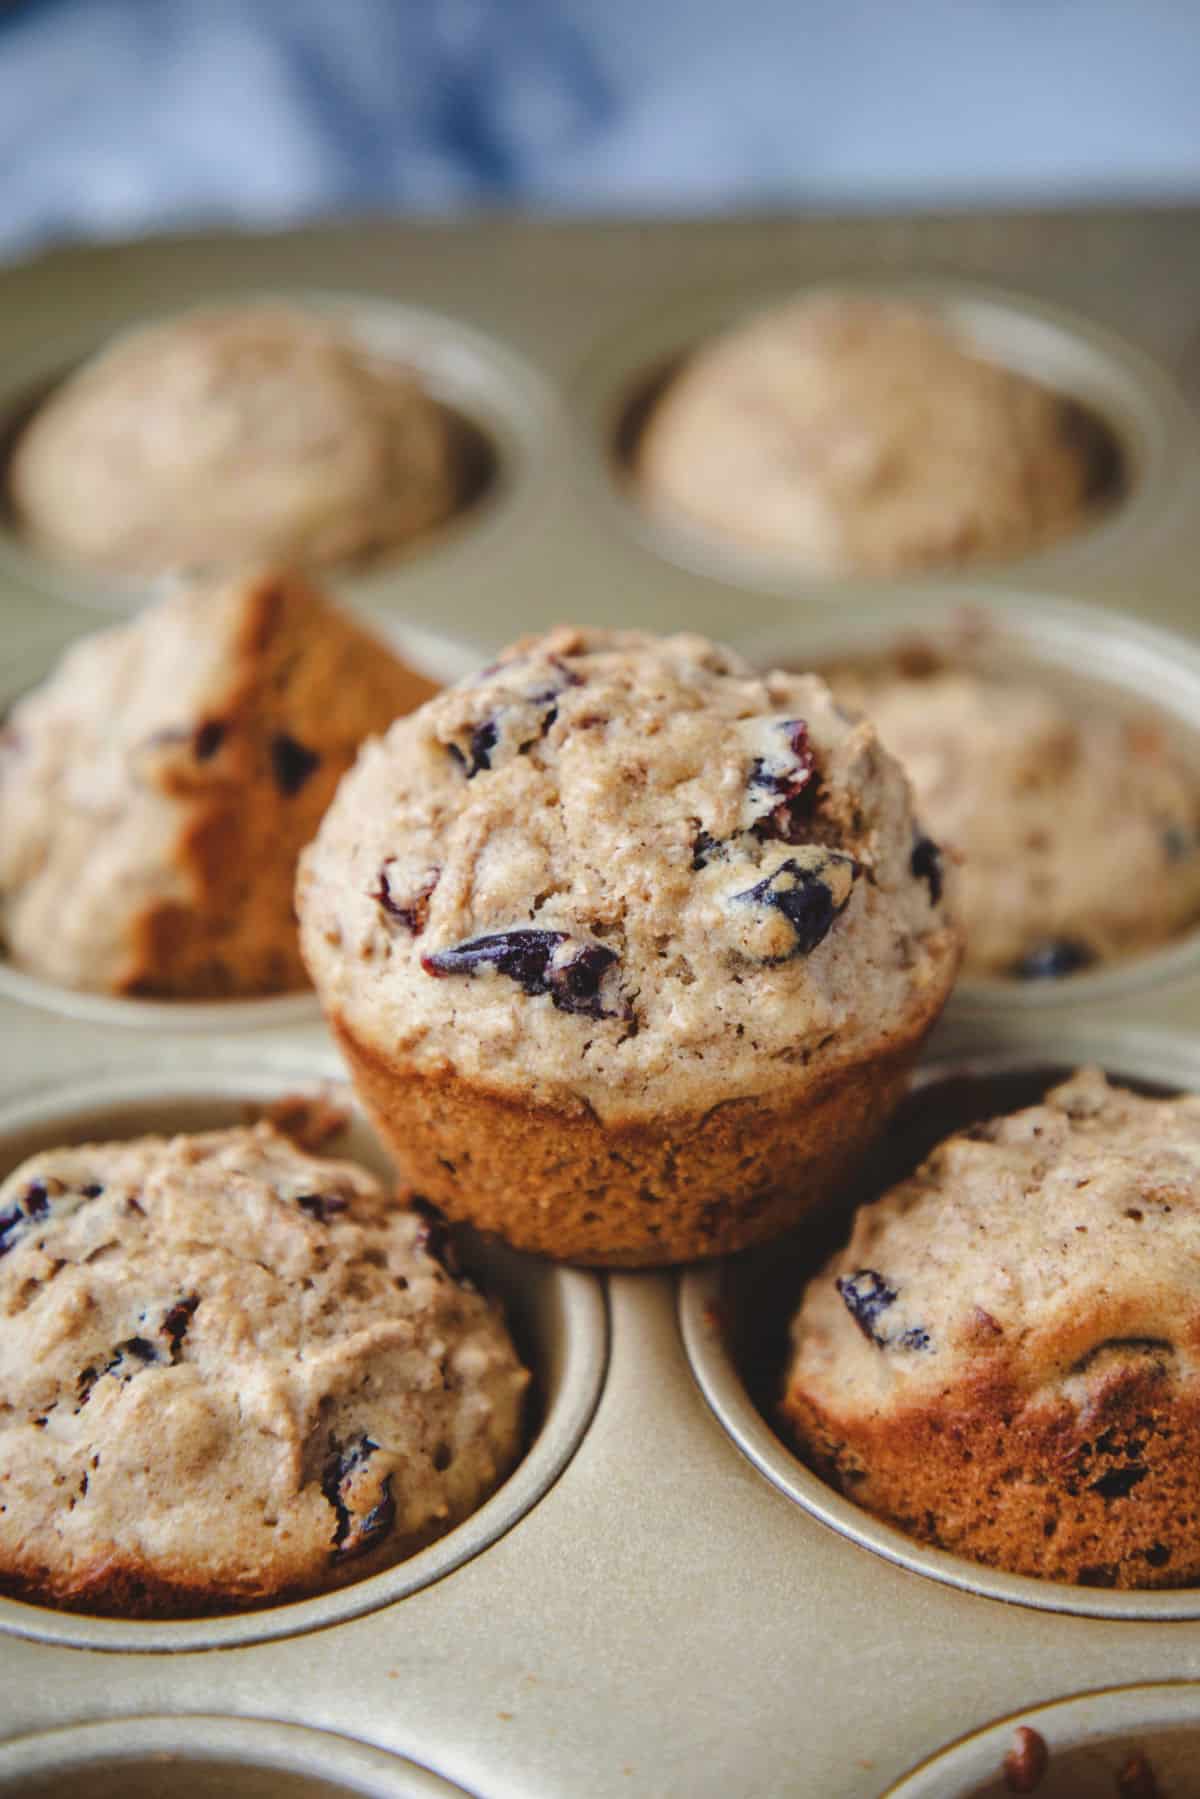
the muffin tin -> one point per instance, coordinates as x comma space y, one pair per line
661, 1600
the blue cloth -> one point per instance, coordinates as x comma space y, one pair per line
118, 116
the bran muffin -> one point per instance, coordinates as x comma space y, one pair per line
156, 791
1004, 1361
863, 435
251, 433
629, 948
233, 1372
1045, 801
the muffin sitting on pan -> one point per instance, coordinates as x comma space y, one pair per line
156, 790
233, 1372
255, 433
1005, 1359
628, 947
1080, 830
854, 434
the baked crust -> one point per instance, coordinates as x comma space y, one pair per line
560, 1182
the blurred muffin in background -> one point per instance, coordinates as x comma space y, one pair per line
157, 789
258, 432
1080, 831
859, 435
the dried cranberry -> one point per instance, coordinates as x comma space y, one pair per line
355, 1531
322, 1206
796, 787
529, 957
866, 1295
926, 865
1048, 961
804, 900
291, 763
208, 739
436, 1239
413, 913
176, 1321
483, 741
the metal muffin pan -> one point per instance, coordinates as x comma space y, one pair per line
1089, 656
661, 1618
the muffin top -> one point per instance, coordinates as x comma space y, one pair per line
857, 434
225, 436
628, 872
233, 1369
1043, 1248
166, 760
1080, 830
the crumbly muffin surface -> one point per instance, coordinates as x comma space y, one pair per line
156, 790
1005, 1358
227, 436
1080, 832
627, 870
861, 434
232, 1370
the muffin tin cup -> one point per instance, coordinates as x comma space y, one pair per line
1082, 652
1134, 403
493, 398
712, 1298
1089, 1737
558, 1317
202, 1757
664, 1617
1137, 407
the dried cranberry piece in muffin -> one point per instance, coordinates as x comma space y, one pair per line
412, 911
789, 776
539, 962
364, 1507
926, 864
810, 896
1053, 959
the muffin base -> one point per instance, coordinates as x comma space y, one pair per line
1103, 1495
560, 1182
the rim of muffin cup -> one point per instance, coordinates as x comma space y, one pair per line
497, 405
1159, 1718
440, 657
712, 1315
558, 1317
1073, 648
135, 1749
1143, 425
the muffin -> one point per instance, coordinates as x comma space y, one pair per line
1080, 830
629, 948
858, 435
233, 1372
257, 432
1004, 1361
156, 791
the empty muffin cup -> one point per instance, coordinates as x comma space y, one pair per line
557, 1319
736, 1318
1099, 706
